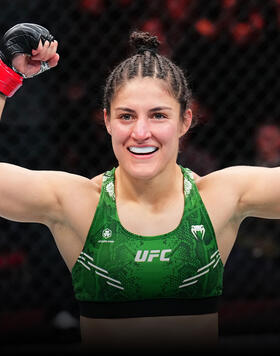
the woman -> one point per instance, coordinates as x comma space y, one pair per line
146, 242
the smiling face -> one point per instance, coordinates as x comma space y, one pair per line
145, 127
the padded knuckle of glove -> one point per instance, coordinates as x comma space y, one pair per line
21, 38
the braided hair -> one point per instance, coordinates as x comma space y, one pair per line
146, 62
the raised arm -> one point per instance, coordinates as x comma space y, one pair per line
26, 50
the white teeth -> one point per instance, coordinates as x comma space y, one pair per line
142, 150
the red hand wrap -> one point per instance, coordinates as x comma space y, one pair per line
10, 81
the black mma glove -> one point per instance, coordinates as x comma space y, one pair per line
21, 38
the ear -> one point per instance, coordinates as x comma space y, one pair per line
107, 121
187, 120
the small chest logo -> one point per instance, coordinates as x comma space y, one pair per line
148, 256
106, 233
198, 231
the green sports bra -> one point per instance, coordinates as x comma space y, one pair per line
120, 274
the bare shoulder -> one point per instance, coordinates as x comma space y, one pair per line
221, 192
72, 189
77, 195
234, 175
226, 186
238, 185
63, 181
97, 182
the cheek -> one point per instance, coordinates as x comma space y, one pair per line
169, 134
119, 134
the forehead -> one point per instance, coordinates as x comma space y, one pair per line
144, 92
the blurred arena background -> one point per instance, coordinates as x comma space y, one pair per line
229, 50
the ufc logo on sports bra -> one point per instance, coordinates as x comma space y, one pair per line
148, 256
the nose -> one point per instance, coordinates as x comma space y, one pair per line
141, 129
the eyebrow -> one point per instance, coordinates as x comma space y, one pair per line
158, 108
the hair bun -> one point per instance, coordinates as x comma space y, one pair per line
143, 41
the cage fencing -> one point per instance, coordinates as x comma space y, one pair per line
229, 51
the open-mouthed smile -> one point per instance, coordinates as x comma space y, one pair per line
145, 150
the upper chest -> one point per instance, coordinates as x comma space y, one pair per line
147, 221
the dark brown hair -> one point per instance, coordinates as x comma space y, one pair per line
146, 62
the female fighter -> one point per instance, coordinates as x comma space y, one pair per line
146, 242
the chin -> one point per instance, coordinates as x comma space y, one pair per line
142, 171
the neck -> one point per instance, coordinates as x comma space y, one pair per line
151, 191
